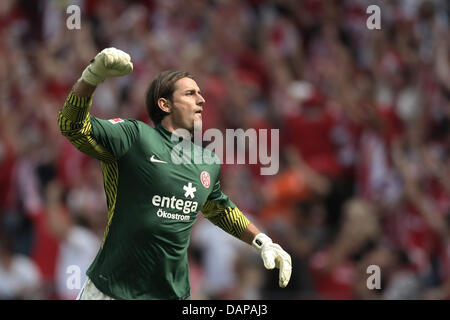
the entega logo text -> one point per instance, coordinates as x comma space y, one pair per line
187, 206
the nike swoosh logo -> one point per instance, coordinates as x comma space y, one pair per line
153, 159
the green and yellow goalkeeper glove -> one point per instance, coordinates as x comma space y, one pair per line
110, 62
274, 256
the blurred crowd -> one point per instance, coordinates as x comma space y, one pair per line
364, 120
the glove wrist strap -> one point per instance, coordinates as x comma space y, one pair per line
90, 77
260, 240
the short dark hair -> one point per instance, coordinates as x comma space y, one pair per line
162, 86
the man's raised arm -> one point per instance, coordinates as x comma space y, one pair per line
73, 118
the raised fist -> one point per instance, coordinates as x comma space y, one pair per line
110, 62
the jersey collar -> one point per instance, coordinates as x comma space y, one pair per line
167, 134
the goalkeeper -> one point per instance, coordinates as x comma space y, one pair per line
152, 203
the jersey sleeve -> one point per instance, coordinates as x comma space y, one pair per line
222, 212
101, 139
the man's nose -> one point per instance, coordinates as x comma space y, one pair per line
201, 100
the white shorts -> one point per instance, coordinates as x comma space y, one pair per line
90, 292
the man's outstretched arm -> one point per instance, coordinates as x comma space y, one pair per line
234, 222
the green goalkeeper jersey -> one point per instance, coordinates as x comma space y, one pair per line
152, 204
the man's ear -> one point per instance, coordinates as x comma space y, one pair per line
164, 105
